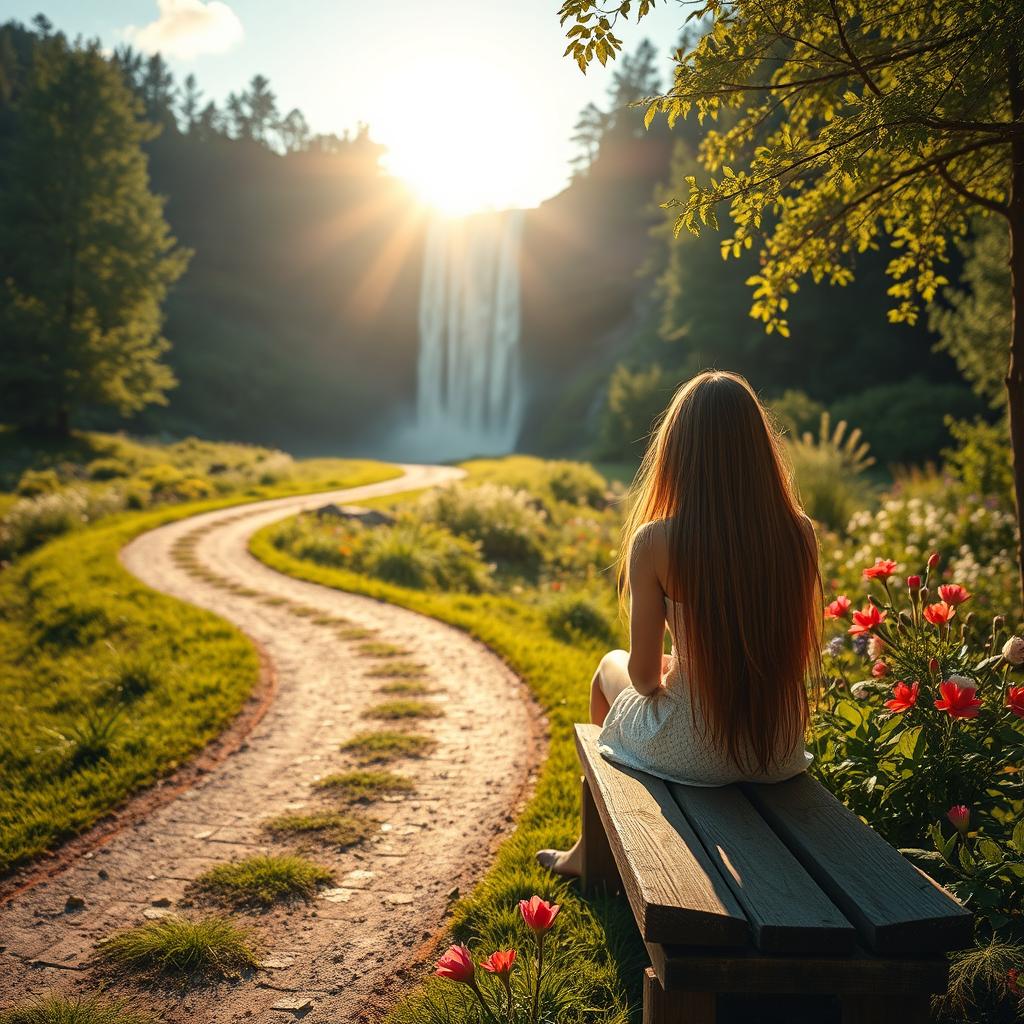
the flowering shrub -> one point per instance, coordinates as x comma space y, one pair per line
920, 729
512, 996
979, 535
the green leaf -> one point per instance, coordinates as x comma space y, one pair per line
1018, 836
908, 741
990, 851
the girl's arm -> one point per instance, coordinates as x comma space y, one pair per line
647, 613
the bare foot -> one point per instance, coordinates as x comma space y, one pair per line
567, 863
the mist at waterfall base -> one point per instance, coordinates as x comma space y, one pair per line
469, 381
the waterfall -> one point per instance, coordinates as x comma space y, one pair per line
469, 388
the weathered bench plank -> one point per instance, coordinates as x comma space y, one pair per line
787, 910
674, 889
896, 908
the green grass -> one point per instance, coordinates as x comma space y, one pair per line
403, 710
56, 1009
408, 688
207, 946
602, 964
262, 881
382, 747
398, 670
365, 784
343, 830
107, 685
379, 649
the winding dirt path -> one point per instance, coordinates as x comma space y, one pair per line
345, 956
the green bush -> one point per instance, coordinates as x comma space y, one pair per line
981, 459
573, 617
107, 469
796, 412
34, 482
577, 483
635, 400
506, 522
33, 521
828, 471
906, 422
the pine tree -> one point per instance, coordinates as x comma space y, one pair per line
191, 98
87, 257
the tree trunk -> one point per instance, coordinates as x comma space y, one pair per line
1015, 370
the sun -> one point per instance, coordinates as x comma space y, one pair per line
457, 133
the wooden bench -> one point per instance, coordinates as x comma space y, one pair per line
764, 889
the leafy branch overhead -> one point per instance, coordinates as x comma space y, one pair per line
835, 124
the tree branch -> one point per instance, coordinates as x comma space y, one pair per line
854, 59
942, 170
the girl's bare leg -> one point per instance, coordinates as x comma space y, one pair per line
609, 680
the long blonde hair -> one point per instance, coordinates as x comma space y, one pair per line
743, 565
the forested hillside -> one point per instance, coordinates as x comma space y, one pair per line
296, 321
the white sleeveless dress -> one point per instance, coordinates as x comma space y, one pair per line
660, 735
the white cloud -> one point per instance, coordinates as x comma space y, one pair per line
188, 28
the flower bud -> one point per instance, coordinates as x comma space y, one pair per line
879, 669
1013, 651
933, 560
998, 622
914, 583
959, 817
933, 666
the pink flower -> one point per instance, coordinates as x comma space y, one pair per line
538, 914
839, 608
879, 669
903, 697
500, 962
954, 594
866, 620
958, 701
881, 570
959, 817
1015, 700
456, 965
940, 613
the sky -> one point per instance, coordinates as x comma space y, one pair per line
473, 97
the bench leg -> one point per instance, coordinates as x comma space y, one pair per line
886, 1009
598, 864
661, 1007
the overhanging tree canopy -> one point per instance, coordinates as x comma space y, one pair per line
843, 123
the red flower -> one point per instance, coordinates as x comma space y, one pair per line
500, 962
954, 594
839, 608
879, 669
933, 560
940, 613
881, 570
903, 697
914, 583
958, 701
455, 965
959, 817
1015, 700
864, 621
538, 914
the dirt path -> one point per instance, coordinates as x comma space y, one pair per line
344, 956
